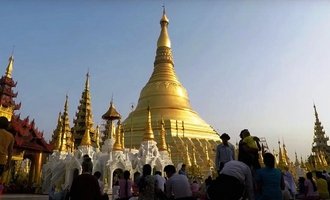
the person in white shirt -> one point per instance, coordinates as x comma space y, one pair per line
234, 182
225, 152
160, 181
177, 185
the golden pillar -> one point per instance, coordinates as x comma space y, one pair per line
37, 168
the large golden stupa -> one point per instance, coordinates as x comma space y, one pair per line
189, 138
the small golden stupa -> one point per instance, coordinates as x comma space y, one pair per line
170, 110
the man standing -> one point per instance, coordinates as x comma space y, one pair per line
177, 186
85, 186
225, 152
6, 147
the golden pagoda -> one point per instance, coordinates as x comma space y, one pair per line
169, 100
320, 142
7, 103
111, 115
84, 117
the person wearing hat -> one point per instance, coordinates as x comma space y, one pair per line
225, 152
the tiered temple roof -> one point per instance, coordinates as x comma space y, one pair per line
84, 117
26, 134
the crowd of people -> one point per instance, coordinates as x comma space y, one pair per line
241, 179
244, 178
238, 179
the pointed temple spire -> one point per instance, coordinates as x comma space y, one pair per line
86, 140
117, 145
10, 66
187, 159
57, 134
66, 126
149, 134
84, 116
164, 39
285, 154
162, 144
97, 137
7, 96
281, 161
320, 143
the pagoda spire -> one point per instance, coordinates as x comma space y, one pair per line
57, 133
10, 66
149, 134
84, 116
188, 160
86, 140
7, 96
164, 39
281, 161
97, 137
285, 154
162, 144
320, 140
66, 130
117, 145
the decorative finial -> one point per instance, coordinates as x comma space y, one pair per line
149, 135
87, 80
162, 145
117, 146
164, 40
164, 10
10, 66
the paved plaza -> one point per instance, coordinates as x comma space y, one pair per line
23, 196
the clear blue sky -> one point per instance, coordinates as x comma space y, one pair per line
246, 64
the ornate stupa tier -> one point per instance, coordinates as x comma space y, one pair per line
168, 99
7, 96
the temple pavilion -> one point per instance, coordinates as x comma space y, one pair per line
30, 148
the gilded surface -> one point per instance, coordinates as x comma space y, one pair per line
169, 100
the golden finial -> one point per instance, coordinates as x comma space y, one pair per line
117, 145
149, 134
87, 81
66, 104
164, 40
86, 140
162, 145
10, 66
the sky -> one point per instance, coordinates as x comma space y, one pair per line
258, 65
